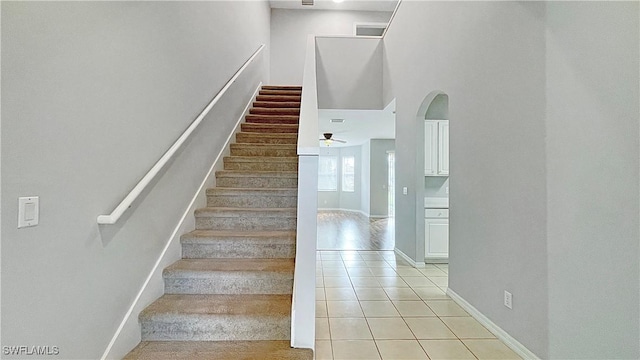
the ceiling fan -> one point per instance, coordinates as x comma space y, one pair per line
328, 139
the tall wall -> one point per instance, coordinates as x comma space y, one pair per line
349, 82
289, 31
488, 57
93, 94
592, 124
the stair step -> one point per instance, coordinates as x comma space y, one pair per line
229, 276
252, 198
281, 92
275, 150
218, 350
217, 317
274, 111
294, 98
276, 104
260, 163
211, 244
253, 179
266, 138
272, 119
282, 87
239, 219
270, 128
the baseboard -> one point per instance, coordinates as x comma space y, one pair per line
345, 210
512, 343
406, 257
153, 287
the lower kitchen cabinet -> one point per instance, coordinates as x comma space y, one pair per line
436, 232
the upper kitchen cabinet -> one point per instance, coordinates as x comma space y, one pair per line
436, 150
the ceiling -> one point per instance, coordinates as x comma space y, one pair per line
358, 127
362, 5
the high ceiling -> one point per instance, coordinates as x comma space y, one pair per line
362, 5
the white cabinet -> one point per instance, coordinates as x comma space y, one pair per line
436, 233
436, 149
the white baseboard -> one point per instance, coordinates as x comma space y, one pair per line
346, 210
512, 343
153, 287
416, 264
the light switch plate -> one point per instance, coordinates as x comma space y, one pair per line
28, 211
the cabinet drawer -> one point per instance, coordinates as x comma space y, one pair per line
436, 213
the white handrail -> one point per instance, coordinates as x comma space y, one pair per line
142, 184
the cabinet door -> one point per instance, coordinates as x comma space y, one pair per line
443, 148
436, 238
430, 147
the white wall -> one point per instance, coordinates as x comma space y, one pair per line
592, 125
349, 82
379, 177
488, 57
93, 94
289, 30
365, 198
544, 151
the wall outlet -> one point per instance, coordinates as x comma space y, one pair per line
405, 191
508, 299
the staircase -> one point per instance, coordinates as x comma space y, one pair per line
229, 297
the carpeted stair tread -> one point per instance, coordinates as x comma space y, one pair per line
250, 173
219, 304
197, 236
218, 350
274, 111
271, 119
277, 104
282, 87
293, 98
196, 266
266, 138
270, 128
276, 159
239, 212
253, 191
269, 150
215, 244
281, 92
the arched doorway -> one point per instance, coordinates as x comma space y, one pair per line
432, 220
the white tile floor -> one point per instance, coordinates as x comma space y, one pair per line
373, 305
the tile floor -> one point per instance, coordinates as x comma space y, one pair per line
374, 305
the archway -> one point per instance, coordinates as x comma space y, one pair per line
432, 202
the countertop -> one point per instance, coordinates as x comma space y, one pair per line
436, 203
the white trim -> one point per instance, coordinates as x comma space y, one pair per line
346, 210
507, 339
406, 257
179, 229
349, 37
393, 15
369, 25
142, 184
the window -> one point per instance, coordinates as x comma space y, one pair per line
348, 174
328, 173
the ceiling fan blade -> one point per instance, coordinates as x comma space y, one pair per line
340, 141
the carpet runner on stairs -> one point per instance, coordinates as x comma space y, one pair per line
229, 297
